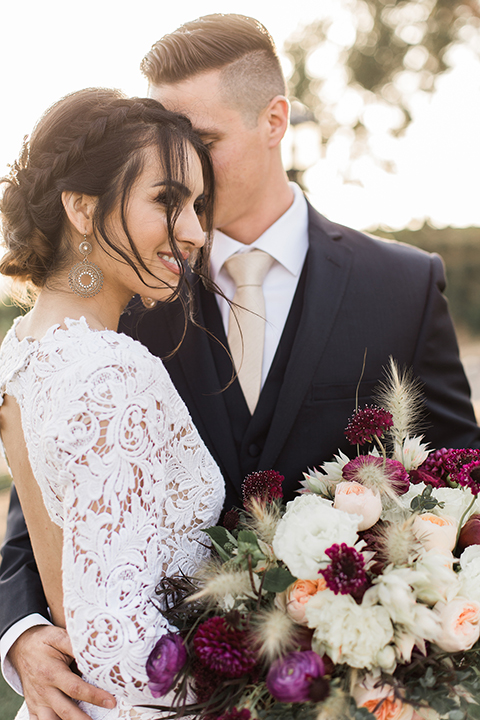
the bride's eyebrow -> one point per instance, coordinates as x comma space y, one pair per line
183, 189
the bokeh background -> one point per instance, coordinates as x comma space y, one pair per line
385, 115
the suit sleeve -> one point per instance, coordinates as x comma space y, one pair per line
21, 591
451, 418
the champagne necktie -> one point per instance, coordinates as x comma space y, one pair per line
246, 330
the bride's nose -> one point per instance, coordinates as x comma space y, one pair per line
188, 229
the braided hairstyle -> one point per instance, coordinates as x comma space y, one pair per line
93, 142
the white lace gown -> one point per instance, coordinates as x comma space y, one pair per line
125, 474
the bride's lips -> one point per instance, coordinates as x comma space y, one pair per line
169, 261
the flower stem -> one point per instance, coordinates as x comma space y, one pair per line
250, 574
382, 449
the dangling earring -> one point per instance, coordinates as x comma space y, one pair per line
85, 278
148, 302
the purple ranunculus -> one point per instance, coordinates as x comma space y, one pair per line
164, 662
290, 679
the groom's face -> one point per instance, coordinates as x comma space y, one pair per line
239, 151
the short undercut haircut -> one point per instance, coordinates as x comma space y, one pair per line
239, 46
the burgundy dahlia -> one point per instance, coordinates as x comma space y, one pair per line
346, 573
224, 648
292, 678
263, 485
368, 423
420, 475
164, 662
469, 476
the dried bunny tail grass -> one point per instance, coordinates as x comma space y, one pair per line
273, 634
401, 394
397, 543
334, 707
219, 583
264, 519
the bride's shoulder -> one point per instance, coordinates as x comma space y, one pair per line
75, 350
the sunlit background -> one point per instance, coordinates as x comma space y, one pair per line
52, 47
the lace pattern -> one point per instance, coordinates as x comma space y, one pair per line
124, 472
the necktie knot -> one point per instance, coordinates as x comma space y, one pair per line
249, 268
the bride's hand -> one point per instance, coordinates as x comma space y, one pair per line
41, 656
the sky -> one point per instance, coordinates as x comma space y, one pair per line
53, 47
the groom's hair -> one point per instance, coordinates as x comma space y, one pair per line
239, 46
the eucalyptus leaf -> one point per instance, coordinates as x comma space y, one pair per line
277, 579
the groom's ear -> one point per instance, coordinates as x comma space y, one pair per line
79, 209
277, 114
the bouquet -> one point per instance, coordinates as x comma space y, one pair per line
359, 599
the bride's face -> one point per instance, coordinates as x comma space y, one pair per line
146, 220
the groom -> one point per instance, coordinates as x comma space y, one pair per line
329, 294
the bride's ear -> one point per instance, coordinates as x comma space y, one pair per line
79, 209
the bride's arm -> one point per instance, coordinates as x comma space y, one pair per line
134, 501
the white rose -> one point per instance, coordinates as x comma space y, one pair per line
434, 579
435, 532
460, 624
350, 633
352, 497
456, 500
309, 527
469, 575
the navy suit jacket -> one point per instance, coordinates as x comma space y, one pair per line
356, 292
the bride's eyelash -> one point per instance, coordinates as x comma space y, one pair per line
199, 204
167, 197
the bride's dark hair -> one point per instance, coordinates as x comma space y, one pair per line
94, 142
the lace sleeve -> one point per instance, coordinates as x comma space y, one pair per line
139, 487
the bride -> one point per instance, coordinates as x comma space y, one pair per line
114, 480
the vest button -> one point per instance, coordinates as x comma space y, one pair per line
254, 450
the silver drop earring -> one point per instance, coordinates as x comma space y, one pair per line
85, 278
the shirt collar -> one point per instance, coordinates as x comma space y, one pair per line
286, 240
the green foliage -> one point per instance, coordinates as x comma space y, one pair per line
277, 579
394, 48
425, 502
449, 684
9, 701
8, 311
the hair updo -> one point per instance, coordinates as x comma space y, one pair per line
92, 142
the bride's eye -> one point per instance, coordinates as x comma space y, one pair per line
199, 204
169, 198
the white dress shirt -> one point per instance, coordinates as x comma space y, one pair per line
287, 242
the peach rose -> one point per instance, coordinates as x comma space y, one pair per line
460, 624
298, 595
367, 695
435, 532
356, 499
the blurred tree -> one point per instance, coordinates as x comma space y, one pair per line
359, 66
